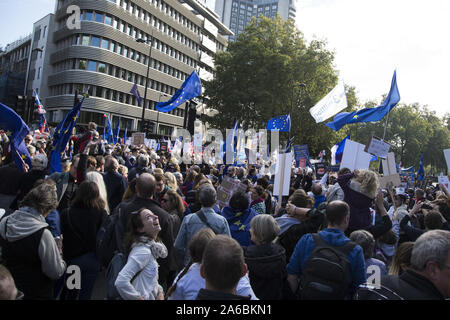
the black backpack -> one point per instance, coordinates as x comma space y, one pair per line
109, 238
327, 271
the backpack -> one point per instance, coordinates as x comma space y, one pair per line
109, 238
327, 271
118, 261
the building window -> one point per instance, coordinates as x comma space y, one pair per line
92, 66
95, 41
85, 41
98, 17
105, 44
102, 67
88, 16
108, 20
82, 64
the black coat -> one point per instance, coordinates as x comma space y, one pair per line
409, 286
115, 185
26, 183
79, 236
267, 270
315, 221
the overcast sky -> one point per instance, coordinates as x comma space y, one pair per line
370, 38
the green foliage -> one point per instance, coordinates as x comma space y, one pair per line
259, 77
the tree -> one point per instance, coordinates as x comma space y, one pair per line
259, 77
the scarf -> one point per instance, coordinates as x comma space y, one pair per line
158, 249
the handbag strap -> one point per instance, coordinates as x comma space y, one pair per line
202, 217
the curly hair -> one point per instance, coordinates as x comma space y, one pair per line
369, 183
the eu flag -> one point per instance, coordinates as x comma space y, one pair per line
368, 114
281, 123
116, 133
191, 88
421, 171
135, 92
16, 130
62, 135
340, 149
109, 131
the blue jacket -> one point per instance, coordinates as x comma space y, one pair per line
335, 237
239, 222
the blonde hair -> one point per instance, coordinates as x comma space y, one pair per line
158, 171
171, 181
98, 179
123, 170
264, 228
369, 183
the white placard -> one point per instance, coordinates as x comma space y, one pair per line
447, 158
283, 175
378, 148
354, 156
444, 181
197, 140
389, 167
153, 144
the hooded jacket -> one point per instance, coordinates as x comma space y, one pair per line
16, 229
267, 270
239, 222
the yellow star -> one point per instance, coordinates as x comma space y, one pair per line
237, 223
242, 228
355, 116
75, 118
8, 133
23, 156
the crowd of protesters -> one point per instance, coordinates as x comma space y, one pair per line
179, 244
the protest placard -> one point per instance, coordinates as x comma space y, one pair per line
301, 155
378, 147
354, 156
226, 190
282, 175
444, 181
447, 158
389, 172
138, 138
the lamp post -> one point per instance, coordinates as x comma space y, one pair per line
157, 117
27, 111
150, 42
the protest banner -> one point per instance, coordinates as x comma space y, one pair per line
138, 138
163, 146
354, 156
378, 147
320, 170
301, 155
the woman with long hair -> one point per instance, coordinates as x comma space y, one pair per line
173, 204
80, 224
96, 177
402, 258
138, 280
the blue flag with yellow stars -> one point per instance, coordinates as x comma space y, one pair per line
191, 88
421, 171
16, 130
62, 135
368, 114
281, 123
